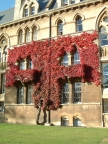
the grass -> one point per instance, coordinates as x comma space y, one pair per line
32, 134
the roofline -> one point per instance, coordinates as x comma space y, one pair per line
7, 9
50, 12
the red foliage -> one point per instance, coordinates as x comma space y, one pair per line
44, 55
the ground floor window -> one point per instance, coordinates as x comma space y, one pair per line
21, 95
29, 94
76, 121
105, 105
77, 92
65, 94
64, 121
1, 106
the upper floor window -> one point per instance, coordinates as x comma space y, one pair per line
65, 93
72, 1
64, 60
103, 36
26, 11
105, 19
79, 24
22, 65
34, 33
76, 58
77, 92
29, 94
64, 2
32, 9
20, 98
105, 75
27, 33
60, 28
29, 64
20, 37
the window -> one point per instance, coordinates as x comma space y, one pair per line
64, 121
1, 55
105, 19
60, 28
72, 1
30, 64
22, 65
79, 24
64, 60
27, 35
3, 79
20, 95
32, 10
105, 75
29, 94
34, 33
5, 54
77, 92
64, 2
76, 58
76, 121
1, 106
65, 94
105, 105
26, 11
81, 0
20, 37
103, 36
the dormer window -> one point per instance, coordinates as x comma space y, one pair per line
65, 2
32, 9
26, 11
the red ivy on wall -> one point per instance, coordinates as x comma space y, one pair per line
45, 57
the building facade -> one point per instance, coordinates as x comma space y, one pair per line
84, 104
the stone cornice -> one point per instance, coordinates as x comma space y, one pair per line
50, 12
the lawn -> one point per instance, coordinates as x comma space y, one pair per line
32, 134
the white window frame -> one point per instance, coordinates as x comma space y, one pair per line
77, 93
65, 94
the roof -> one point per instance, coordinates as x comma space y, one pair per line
6, 16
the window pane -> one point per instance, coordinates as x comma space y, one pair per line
102, 29
79, 21
72, 1
29, 94
79, 27
65, 60
32, 10
105, 19
60, 28
105, 105
77, 92
103, 36
1, 106
21, 95
76, 58
104, 42
65, 94
34, 34
76, 122
26, 12
105, 75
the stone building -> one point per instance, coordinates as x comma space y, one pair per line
43, 19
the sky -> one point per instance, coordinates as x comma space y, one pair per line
6, 4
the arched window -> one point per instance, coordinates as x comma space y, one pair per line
79, 26
60, 28
64, 60
64, 121
27, 33
25, 11
76, 58
20, 37
103, 36
76, 121
34, 36
32, 9
5, 54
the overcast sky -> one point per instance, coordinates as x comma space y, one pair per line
6, 4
